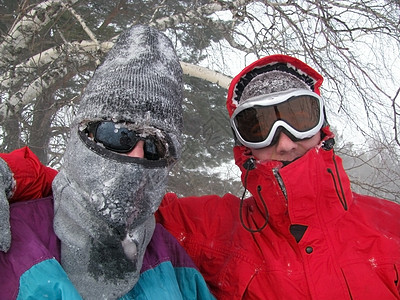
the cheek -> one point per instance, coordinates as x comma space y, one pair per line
263, 153
310, 143
138, 151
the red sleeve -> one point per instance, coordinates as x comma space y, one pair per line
32, 178
197, 216
383, 214
177, 214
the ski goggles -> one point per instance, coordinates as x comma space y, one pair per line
258, 121
118, 138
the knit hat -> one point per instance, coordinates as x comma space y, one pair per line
139, 82
271, 82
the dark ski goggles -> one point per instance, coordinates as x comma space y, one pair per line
257, 120
118, 138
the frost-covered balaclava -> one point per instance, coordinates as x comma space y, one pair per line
105, 201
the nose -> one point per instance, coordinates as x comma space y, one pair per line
138, 151
285, 144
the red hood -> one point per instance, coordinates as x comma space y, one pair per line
285, 63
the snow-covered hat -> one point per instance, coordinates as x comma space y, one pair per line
271, 82
139, 82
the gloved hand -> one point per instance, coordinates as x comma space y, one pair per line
6, 180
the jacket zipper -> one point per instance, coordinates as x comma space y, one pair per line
280, 182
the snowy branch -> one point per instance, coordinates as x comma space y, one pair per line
83, 24
49, 56
25, 29
206, 74
208, 9
85, 48
56, 56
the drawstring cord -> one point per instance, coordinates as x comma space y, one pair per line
250, 165
342, 198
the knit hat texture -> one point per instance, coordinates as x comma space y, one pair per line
139, 82
272, 82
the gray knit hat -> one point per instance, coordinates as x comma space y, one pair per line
139, 82
271, 82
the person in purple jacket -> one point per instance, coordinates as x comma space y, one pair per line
97, 239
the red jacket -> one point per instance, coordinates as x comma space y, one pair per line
350, 249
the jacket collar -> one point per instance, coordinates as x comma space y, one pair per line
307, 189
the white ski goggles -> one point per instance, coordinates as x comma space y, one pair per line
257, 120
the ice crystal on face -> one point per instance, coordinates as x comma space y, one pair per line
82, 127
109, 183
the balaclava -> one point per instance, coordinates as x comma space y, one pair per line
104, 201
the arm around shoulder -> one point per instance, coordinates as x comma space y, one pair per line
22, 177
31, 179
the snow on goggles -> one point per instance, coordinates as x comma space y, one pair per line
257, 121
118, 138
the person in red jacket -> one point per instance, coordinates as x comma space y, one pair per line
303, 233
